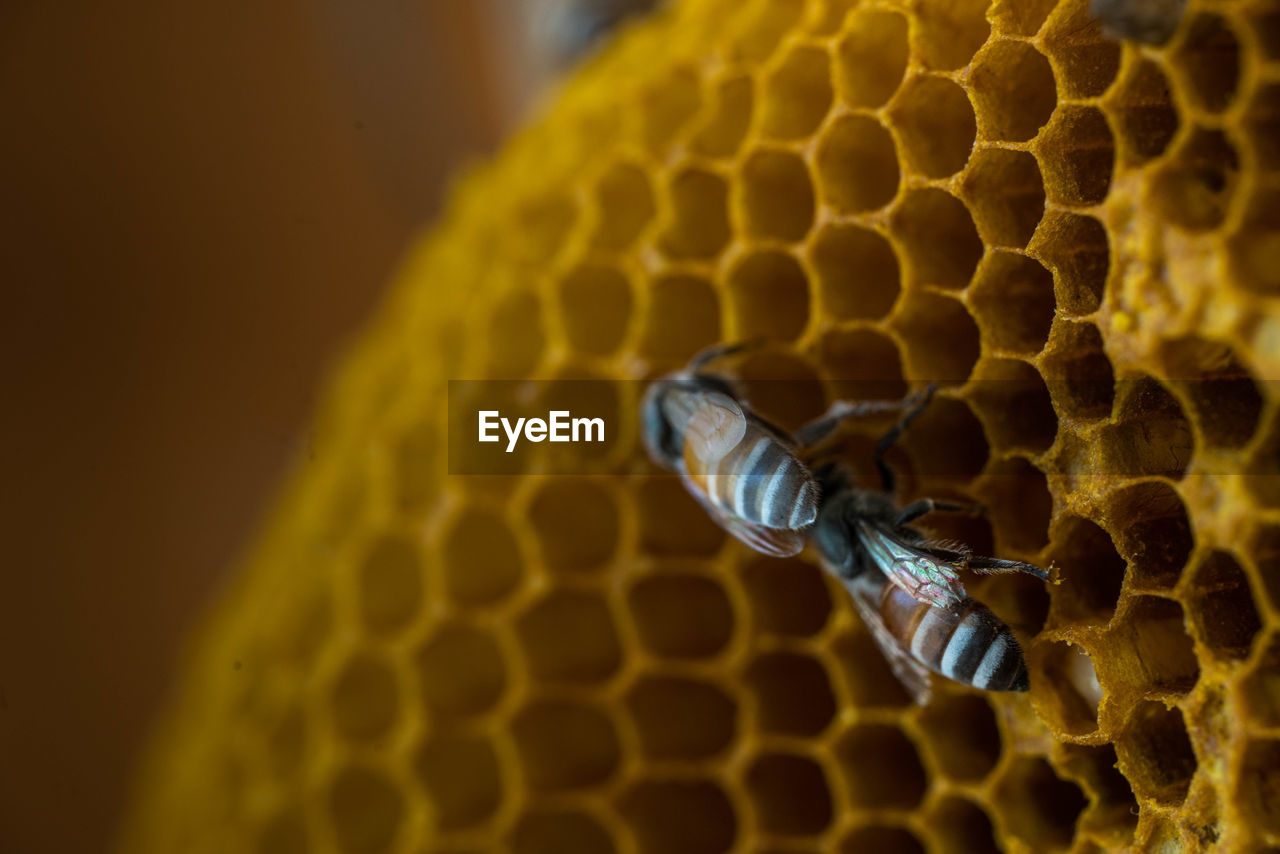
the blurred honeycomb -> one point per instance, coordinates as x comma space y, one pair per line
1080, 239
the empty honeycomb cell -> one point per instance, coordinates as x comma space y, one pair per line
961, 735
679, 817
284, 833
1156, 536
1209, 59
881, 767
1150, 435
863, 364
681, 616
777, 195
1013, 402
1194, 189
1085, 61
725, 125
763, 27
576, 523
1258, 786
790, 794
1080, 377
857, 270
940, 337
1221, 605
481, 557
560, 831
462, 671
1076, 248
1224, 395
462, 779
1013, 88
1038, 806
959, 826
935, 121
947, 441
1264, 24
1263, 123
625, 205
1069, 694
390, 586
672, 522
1005, 191
866, 676
682, 317
796, 94
857, 165
942, 246
1155, 651
1113, 815
769, 296
595, 307
568, 636
949, 32
1012, 297
883, 839
788, 597
564, 745
515, 336
1091, 571
1018, 498
365, 697
791, 692
784, 388
678, 718
699, 226
1077, 155
365, 809
1155, 753
1261, 686
871, 57
1146, 115
667, 107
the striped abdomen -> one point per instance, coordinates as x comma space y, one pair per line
759, 481
966, 643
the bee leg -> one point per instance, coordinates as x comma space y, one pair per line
984, 565
823, 426
913, 404
924, 506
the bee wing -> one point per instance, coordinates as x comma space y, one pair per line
715, 428
925, 576
913, 675
775, 542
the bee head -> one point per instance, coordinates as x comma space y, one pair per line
663, 439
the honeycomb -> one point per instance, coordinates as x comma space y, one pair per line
1077, 238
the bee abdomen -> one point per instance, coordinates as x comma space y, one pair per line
762, 482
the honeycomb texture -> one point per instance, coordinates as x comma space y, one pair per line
1079, 239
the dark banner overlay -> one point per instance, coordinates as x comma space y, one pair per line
1079, 427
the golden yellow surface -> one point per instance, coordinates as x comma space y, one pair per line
1079, 239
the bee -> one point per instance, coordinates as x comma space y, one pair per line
745, 472
907, 589
1146, 21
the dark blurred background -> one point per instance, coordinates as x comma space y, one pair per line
201, 201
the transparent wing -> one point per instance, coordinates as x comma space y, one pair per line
715, 428
925, 576
775, 542
913, 675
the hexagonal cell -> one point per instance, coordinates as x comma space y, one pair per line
1152, 23
962, 736
1090, 570
935, 121
1194, 189
1085, 61
857, 270
1155, 753
1262, 119
1039, 807
1013, 294
1221, 605
1151, 530
941, 243
365, 697
668, 106
776, 195
462, 779
583, 392
1150, 436
1155, 653
791, 693
790, 794
366, 810
681, 616
559, 831
678, 718
595, 308
1075, 247
1224, 395
1013, 89
940, 335
624, 206
1015, 401
948, 33
763, 27
797, 94
1077, 156
482, 560
1020, 600
1146, 117
1113, 815
285, 832
788, 597
784, 388
541, 226
1020, 17
576, 523
946, 441
1005, 191
700, 214
1020, 504
871, 57
1261, 687
881, 767
769, 296
882, 839
672, 522
1067, 697
1209, 57
564, 745
1081, 380
462, 671
862, 365
681, 318
857, 165
390, 584
568, 636
1258, 786
1254, 247
721, 134
679, 817
867, 677
961, 827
